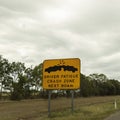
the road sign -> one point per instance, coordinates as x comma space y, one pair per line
61, 74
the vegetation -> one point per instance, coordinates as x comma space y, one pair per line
90, 108
18, 82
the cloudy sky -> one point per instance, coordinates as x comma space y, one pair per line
34, 30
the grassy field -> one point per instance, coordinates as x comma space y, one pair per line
94, 108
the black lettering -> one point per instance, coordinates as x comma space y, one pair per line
66, 85
69, 76
53, 81
51, 76
71, 85
53, 85
68, 80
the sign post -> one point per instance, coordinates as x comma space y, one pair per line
49, 103
72, 101
61, 74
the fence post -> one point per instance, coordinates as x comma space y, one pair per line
115, 103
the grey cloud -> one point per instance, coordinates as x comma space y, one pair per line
90, 31
96, 18
18, 5
27, 6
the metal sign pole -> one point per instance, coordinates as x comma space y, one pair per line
49, 103
72, 101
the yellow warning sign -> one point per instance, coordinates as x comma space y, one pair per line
61, 74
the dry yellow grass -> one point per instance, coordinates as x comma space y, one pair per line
60, 108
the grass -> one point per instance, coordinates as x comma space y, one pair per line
94, 108
88, 112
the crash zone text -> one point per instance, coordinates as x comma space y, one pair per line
59, 81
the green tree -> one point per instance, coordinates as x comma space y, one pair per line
116, 84
29, 82
16, 73
37, 78
98, 77
4, 71
85, 89
98, 82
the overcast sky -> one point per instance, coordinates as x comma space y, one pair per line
34, 30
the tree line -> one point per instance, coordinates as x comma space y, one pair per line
99, 85
19, 82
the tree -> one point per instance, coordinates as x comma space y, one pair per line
116, 84
29, 82
98, 81
37, 78
17, 72
85, 89
98, 77
4, 71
